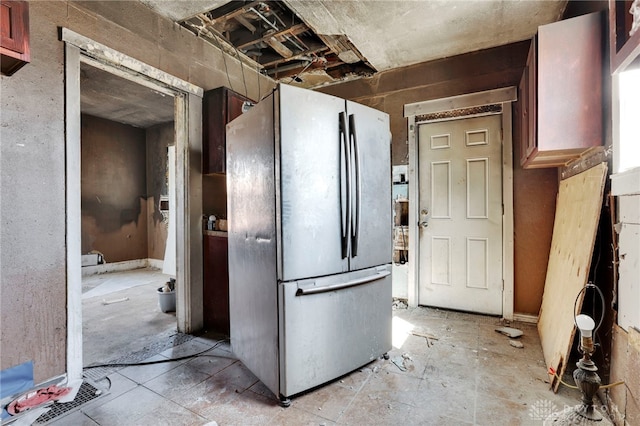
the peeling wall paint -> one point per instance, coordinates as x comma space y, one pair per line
158, 139
114, 189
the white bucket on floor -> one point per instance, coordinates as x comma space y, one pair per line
167, 300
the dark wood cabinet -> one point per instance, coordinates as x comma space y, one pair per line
560, 103
14, 36
526, 106
219, 106
216, 284
624, 48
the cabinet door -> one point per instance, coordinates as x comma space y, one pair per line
564, 105
219, 107
216, 284
569, 85
14, 35
235, 103
527, 107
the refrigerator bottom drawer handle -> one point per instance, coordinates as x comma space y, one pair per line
332, 287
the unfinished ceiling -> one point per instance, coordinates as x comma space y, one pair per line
317, 42
105, 95
314, 43
280, 43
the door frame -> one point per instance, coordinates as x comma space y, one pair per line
458, 107
188, 133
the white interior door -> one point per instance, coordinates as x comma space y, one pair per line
460, 214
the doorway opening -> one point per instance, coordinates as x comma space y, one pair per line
126, 133
123, 227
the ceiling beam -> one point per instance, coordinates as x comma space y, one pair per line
293, 30
300, 55
245, 22
280, 48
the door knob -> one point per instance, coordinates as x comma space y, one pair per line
424, 218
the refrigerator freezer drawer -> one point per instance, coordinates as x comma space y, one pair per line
329, 333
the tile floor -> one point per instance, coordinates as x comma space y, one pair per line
470, 375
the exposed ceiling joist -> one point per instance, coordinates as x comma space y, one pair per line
361, 37
278, 40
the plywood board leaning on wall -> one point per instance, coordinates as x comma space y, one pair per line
574, 233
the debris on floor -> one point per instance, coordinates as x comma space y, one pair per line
111, 302
511, 332
36, 399
401, 361
428, 336
516, 344
399, 304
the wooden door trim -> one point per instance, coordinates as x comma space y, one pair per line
504, 96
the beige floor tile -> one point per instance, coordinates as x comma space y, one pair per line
236, 375
113, 386
247, 408
188, 348
468, 375
140, 406
176, 381
448, 397
428, 416
510, 412
356, 379
77, 418
210, 364
206, 397
293, 416
328, 402
368, 409
143, 373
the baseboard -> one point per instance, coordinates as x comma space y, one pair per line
532, 319
126, 265
155, 263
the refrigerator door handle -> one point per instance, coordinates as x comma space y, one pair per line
345, 187
355, 215
332, 287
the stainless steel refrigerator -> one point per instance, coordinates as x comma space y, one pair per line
309, 216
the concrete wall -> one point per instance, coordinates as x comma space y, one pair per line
114, 188
158, 139
534, 191
32, 158
32, 211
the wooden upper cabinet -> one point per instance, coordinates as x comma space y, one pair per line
624, 47
219, 106
563, 84
14, 36
526, 105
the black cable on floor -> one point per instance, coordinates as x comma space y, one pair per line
119, 364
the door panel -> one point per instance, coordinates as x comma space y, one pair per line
460, 172
310, 147
374, 231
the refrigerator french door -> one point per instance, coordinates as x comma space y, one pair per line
309, 210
